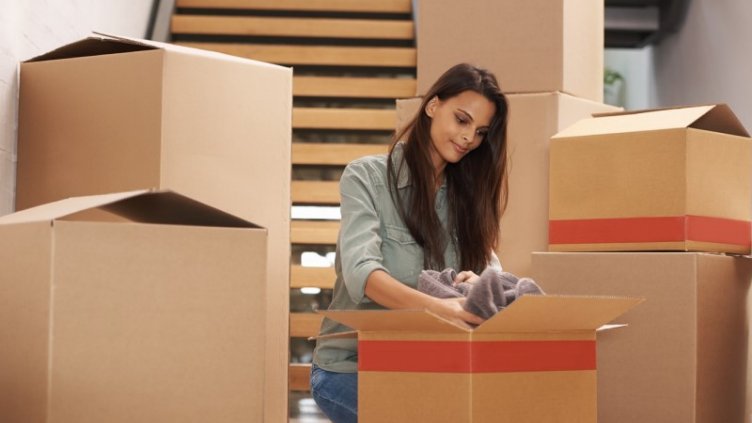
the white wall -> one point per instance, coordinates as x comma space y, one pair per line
636, 66
709, 60
31, 27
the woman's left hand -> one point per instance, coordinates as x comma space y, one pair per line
466, 276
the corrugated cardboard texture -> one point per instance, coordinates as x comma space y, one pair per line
241, 163
652, 165
533, 119
148, 329
24, 321
623, 175
577, 405
212, 126
398, 402
681, 358
132, 322
86, 122
533, 46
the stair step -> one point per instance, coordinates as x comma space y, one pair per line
347, 119
304, 325
314, 232
319, 86
315, 192
299, 377
329, 154
373, 6
315, 55
294, 27
318, 277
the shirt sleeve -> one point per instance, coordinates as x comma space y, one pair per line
359, 236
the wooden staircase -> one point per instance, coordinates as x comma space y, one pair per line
351, 60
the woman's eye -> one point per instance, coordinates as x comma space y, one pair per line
460, 120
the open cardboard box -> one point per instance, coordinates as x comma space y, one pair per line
110, 114
673, 179
131, 307
533, 361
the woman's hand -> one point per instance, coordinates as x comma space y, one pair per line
466, 276
391, 293
451, 309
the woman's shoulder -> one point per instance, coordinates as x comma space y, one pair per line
375, 164
369, 167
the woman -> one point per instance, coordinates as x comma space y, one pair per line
433, 202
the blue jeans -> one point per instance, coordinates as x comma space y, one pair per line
336, 394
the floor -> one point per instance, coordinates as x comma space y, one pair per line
304, 410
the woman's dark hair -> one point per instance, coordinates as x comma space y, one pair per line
476, 185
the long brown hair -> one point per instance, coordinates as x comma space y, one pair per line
476, 185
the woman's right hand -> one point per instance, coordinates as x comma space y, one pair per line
452, 309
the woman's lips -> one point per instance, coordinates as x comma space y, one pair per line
459, 149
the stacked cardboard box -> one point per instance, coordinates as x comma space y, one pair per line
138, 306
532, 46
683, 356
109, 114
665, 180
548, 58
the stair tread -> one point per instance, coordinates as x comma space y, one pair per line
375, 6
315, 55
294, 27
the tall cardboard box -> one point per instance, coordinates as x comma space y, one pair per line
531, 46
683, 357
109, 114
533, 119
533, 362
131, 307
674, 179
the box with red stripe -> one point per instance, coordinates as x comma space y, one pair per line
657, 180
534, 361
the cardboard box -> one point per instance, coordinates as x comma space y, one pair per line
684, 355
531, 46
533, 362
533, 119
674, 179
109, 114
137, 306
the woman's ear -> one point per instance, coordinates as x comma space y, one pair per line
431, 106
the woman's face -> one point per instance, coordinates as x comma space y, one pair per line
458, 125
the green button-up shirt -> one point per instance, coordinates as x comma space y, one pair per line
372, 237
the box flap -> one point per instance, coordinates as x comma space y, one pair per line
144, 206
554, 313
181, 49
94, 45
339, 335
716, 118
167, 207
393, 321
68, 206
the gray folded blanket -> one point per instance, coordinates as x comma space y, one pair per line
494, 291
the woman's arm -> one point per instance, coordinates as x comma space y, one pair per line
390, 293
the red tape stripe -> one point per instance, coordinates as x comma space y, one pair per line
475, 357
651, 229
